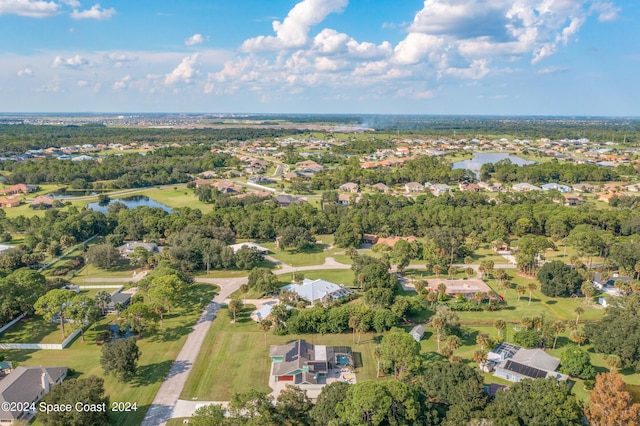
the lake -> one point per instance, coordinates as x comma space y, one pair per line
481, 158
131, 203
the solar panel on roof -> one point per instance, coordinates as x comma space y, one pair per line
525, 370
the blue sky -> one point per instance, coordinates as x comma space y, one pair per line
520, 57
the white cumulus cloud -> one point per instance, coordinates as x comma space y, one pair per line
194, 39
29, 8
293, 31
74, 62
96, 12
184, 72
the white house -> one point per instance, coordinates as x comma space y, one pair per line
417, 332
250, 245
316, 290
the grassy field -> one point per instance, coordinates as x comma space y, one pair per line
35, 330
179, 197
158, 352
236, 359
313, 256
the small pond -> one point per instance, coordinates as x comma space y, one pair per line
131, 203
118, 333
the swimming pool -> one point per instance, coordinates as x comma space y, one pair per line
342, 360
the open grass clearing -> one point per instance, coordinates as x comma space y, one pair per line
236, 359
313, 256
343, 277
158, 352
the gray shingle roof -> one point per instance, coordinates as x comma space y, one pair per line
24, 384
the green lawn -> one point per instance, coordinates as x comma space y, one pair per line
228, 352
313, 256
35, 330
158, 352
180, 197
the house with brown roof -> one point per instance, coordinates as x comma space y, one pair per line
203, 182
309, 166
391, 241
413, 187
381, 187
19, 188
349, 187
10, 202
42, 201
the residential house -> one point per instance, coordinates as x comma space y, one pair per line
369, 239
27, 385
20, 188
491, 187
225, 187
10, 202
391, 241
525, 187
346, 199
572, 200
309, 166
438, 189
381, 187
42, 201
250, 245
613, 281
349, 187
468, 186
209, 174
285, 200
200, 183
119, 301
303, 363
129, 247
555, 187
264, 312
417, 332
583, 187
319, 290
516, 364
413, 187
259, 180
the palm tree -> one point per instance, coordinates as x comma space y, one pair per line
531, 287
500, 325
419, 286
506, 286
442, 289
613, 362
479, 296
244, 289
378, 355
527, 323
453, 342
452, 271
264, 326
103, 299
469, 271
432, 297
558, 327
438, 323
480, 357
437, 269
354, 321
579, 311
234, 307
521, 290
483, 340
636, 268
500, 274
